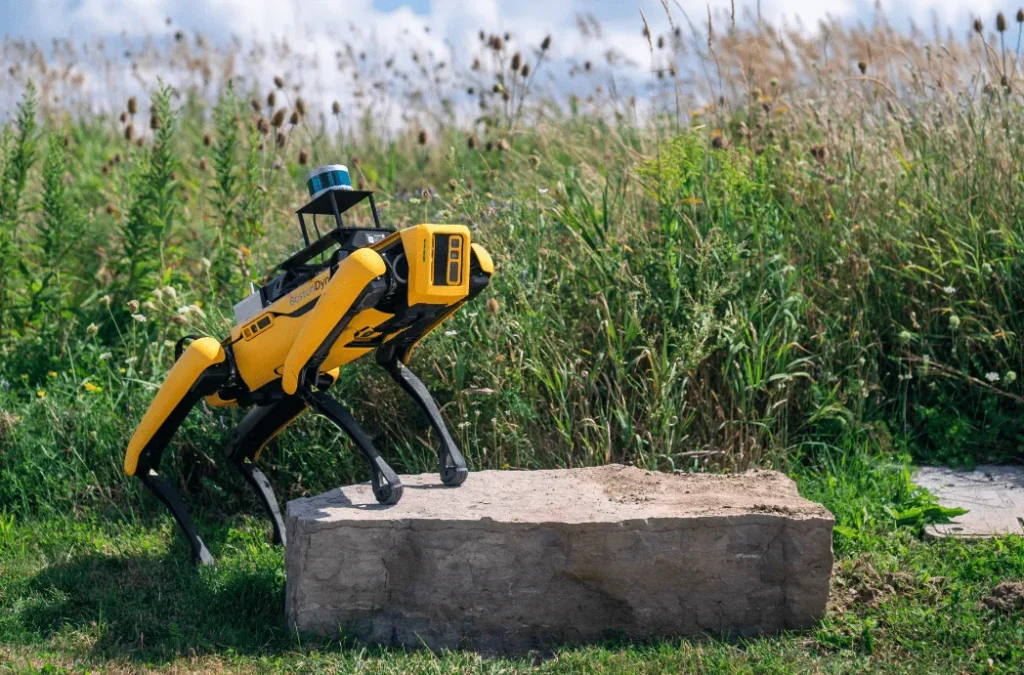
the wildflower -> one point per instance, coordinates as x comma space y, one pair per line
133, 306
131, 360
52, 373
139, 317
905, 337
149, 306
1010, 376
992, 377
105, 356
206, 263
451, 333
92, 329
954, 322
986, 268
92, 388
949, 290
41, 394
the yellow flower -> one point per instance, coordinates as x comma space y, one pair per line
506, 466
41, 394
92, 388
52, 373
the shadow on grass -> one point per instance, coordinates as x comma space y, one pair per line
154, 608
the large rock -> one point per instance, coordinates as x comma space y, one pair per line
515, 560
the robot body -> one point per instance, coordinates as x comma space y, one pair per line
379, 291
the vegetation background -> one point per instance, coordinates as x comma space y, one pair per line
794, 251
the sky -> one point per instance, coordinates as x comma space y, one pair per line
443, 26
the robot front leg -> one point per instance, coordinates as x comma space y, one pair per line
387, 488
200, 371
451, 463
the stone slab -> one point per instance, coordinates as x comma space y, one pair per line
514, 561
993, 495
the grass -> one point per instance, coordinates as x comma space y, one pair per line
794, 251
118, 596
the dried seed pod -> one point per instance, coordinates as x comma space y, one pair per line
517, 61
133, 105
280, 139
978, 26
294, 119
1020, 15
263, 126
278, 119
525, 72
279, 82
303, 157
271, 100
1001, 22
255, 105
123, 117
546, 44
336, 108
129, 132
300, 106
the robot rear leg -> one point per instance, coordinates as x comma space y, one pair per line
200, 371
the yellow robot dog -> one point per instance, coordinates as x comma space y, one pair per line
377, 290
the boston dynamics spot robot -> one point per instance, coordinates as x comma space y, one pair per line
373, 289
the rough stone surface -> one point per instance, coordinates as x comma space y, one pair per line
513, 561
993, 496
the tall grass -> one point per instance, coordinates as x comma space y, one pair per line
820, 251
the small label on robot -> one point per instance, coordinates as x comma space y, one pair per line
307, 291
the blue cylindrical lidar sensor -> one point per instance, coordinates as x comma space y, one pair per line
333, 176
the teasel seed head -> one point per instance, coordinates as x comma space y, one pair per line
525, 72
278, 119
303, 157
123, 117
294, 119
263, 126
300, 106
1001, 22
546, 44
129, 132
490, 146
978, 26
1020, 15
453, 185
280, 139
279, 82
862, 66
472, 142
503, 145
271, 100
421, 137
133, 105
256, 107
202, 164
336, 108
517, 61
154, 121
207, 140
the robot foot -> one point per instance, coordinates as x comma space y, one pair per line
166, 493
451, 463
387, 488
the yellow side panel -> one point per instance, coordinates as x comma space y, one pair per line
362, 324
215, 401
260, 359
486, 264
354, 273
199, 356
418, 243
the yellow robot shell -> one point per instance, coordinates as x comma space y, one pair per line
484, 258
199, 356
433, 281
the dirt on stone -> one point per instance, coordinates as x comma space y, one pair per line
1007, 598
